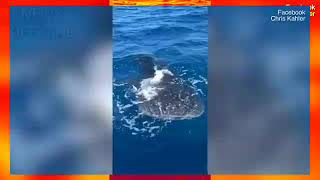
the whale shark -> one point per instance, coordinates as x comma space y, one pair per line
164, 95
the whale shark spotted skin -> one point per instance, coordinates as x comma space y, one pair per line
167, 97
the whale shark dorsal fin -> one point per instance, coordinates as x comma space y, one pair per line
147, 64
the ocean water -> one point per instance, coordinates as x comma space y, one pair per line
177, 38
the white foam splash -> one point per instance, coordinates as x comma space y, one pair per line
149, 87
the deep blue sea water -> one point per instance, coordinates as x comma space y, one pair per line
178, 38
